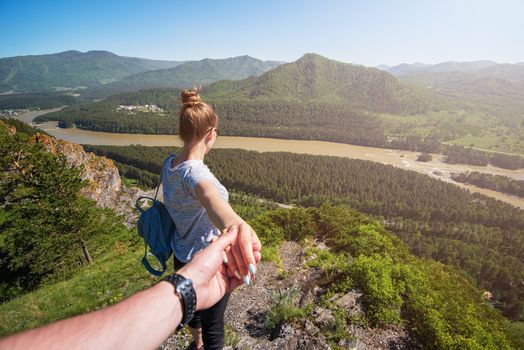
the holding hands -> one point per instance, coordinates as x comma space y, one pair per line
225, 264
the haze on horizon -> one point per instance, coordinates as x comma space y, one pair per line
371, 33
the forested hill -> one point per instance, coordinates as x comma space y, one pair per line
70, 69
189, 74
314, 78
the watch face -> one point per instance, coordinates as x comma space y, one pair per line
183, 285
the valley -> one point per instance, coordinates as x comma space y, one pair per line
402, 159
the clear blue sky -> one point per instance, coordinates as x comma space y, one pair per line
364, 32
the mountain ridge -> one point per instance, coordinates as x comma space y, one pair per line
188, 74
70, 70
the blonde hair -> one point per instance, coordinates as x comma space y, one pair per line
196, 117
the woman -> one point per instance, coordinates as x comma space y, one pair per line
198, 204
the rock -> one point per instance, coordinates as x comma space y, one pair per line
104, 184
324, 317
311, 329
10, 129
293, 338
349, 302
351, 344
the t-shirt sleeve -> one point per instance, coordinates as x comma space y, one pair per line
195, 175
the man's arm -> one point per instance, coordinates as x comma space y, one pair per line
143, 320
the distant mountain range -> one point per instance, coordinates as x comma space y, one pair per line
491, 84
98, 74
451, 66
188, 74
70, 70
510, 72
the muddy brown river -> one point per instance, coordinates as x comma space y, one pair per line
402, 159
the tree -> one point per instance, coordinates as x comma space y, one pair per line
46, 222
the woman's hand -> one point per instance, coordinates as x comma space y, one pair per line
243, 257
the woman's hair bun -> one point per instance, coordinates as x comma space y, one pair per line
190, 97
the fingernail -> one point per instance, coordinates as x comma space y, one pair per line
232, 229
237, 274
252, 269
224, 259
246, 280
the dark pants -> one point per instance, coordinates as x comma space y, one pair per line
211, 320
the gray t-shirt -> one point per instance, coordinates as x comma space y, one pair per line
194, 229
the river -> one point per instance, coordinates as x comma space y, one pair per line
402, 159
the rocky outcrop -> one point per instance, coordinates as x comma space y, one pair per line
103, 182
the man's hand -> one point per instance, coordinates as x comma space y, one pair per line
209, 274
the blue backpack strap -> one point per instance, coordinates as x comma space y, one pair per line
139, 207
150, 269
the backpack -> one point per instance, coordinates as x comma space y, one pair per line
157, 229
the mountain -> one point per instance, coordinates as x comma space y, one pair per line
70, 70
383, 67
494, 89
314, 78
461, 66
450, 66
188, 74
403, 68
510, 72
499, 89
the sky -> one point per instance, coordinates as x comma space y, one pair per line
369, 32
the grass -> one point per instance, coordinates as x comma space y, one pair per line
129, 182
283, 309
492, 142
115, 275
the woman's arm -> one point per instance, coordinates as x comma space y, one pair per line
246, 254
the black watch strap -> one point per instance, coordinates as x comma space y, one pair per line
184, 289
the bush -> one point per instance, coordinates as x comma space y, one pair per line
424, 157
283, 309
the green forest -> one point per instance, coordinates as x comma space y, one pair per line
437, 220
467, 155
42, 101
493, 182
48, 230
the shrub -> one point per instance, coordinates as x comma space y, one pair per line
424, 157
283, 309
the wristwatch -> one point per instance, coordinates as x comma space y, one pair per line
185, 291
